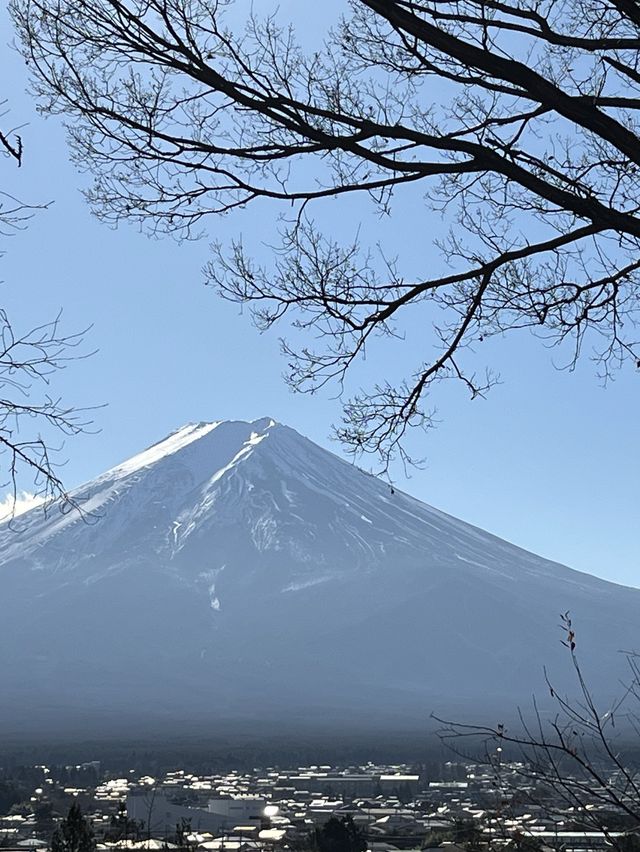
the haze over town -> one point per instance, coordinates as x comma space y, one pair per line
319, 426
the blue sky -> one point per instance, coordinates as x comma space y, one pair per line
548, 461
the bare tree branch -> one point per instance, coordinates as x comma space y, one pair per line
516, 119
570, 760
28, 361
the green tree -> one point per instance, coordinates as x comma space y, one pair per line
341, 835
121, 827
74, 834
183, 830
11, 793
43, 813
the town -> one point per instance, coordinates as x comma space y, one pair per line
381, 808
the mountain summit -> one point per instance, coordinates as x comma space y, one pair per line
238, 570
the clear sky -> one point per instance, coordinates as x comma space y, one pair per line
548, 461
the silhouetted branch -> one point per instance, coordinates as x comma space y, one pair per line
11, 141
517, 119
28, 361
569, 758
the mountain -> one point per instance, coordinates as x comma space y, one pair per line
238, 571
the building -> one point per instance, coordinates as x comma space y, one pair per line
152, 808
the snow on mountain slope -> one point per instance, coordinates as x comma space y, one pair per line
239, 568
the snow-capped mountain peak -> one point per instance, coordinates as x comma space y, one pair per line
173, 443
233, 557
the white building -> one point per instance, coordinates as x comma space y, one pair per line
157, 814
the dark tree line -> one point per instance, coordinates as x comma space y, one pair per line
74, 833
518, 118
11, 793
340, 834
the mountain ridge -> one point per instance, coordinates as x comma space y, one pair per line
237, 568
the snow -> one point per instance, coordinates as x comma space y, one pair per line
172, 444
240, 559
306, 584
13, 506
286, 492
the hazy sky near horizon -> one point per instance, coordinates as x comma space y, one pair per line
548, 461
